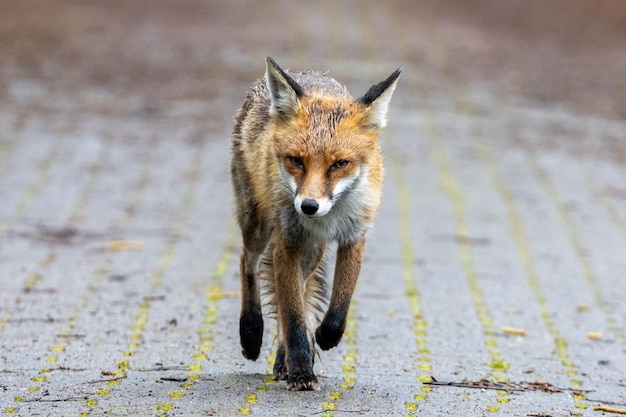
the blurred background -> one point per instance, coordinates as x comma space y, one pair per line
164, 56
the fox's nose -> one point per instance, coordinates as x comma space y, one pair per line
309, 206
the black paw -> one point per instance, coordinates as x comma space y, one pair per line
280, 366
328, 335
251, 334
306, 382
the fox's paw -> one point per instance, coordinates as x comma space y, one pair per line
280, 366
303, 383
328, 335
251, 334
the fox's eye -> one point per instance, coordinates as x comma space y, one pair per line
342, 163
295, 161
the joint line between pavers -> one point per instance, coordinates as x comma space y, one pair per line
617, 221
348, 366
8, 145
36, 186
413, 295
252, 399
214, 294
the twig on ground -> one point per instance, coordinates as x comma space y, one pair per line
505, 386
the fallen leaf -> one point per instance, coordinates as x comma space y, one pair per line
121, 245
514, 330
609, 409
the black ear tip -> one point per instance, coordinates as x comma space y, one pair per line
277, 72
375, 91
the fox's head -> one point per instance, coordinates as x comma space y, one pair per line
326, 142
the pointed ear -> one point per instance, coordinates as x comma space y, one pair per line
377, 101
284, 92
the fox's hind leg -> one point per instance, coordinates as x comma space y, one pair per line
251, 318
266, 273
280, 365
255, 234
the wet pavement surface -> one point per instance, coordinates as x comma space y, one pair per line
494, 279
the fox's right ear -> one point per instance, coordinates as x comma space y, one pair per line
377, 101
284, 91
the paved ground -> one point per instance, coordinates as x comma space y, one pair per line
494, 279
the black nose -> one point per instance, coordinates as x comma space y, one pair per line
309, 206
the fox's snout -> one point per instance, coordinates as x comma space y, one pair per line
311, 207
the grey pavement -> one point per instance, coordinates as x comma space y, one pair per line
494, 279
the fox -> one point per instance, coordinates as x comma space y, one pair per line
306, 171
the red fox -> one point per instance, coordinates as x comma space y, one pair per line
306, 171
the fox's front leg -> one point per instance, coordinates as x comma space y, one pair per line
251, 318
280, 364
289, 294
347, 269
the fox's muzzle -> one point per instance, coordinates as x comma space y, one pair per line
311, 207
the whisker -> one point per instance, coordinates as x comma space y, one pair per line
287, 189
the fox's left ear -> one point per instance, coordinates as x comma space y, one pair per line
285, 93
377, 101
